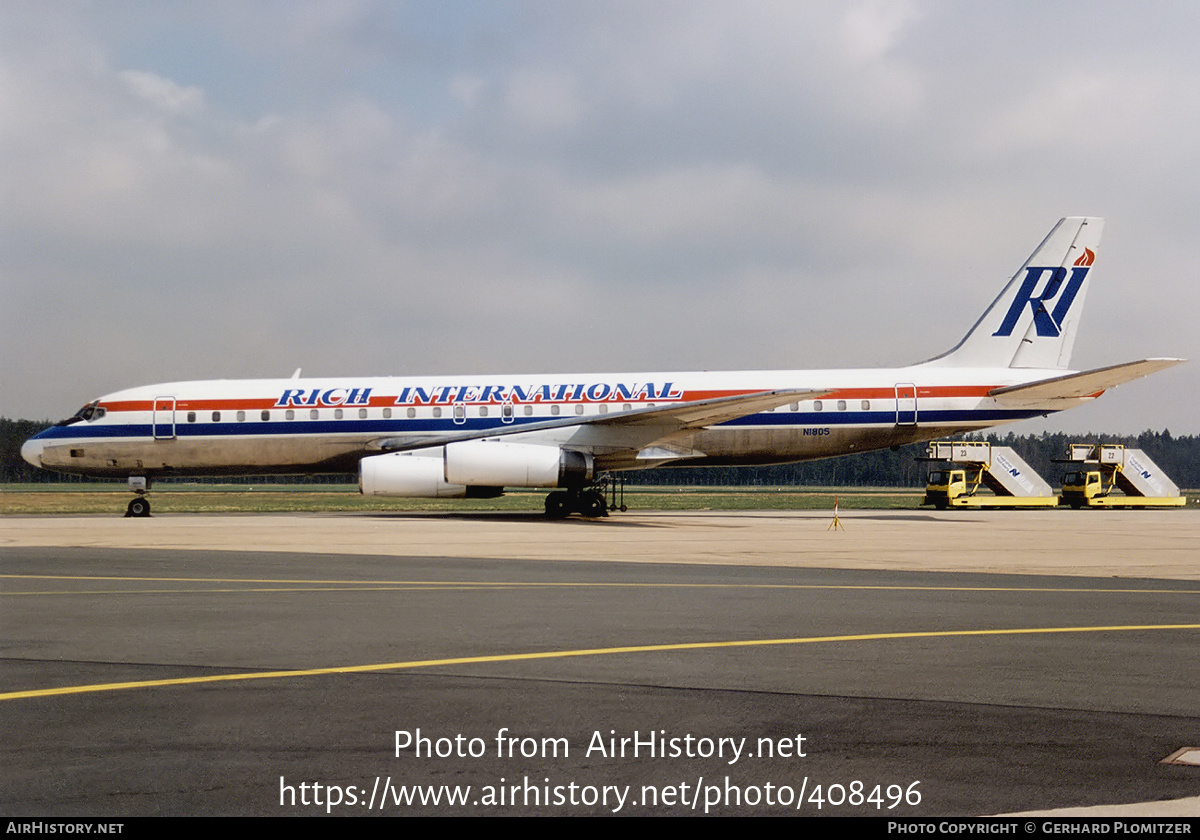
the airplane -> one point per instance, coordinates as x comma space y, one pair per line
473, 436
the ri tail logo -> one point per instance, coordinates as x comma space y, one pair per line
1048, 323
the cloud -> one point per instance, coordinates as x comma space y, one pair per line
172, 99
235, 189
539, 102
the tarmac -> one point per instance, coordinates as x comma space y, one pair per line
952, 663
1101, 543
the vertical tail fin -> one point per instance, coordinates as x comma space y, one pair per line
1032, 324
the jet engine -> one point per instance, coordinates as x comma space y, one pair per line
473, 469
502, 464
405, 474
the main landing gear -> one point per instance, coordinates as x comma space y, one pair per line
593, 502
139, 505
562, 503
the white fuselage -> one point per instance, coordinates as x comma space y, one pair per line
226, 427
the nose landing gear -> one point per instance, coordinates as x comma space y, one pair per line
139, 505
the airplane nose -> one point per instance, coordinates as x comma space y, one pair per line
31, 451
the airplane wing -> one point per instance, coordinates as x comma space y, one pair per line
1088, 383
661, 421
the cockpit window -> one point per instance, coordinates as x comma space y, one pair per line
91, 411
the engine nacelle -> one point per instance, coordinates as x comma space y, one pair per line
476, 469
500, 464
405, 474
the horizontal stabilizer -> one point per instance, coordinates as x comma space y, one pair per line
1088, 383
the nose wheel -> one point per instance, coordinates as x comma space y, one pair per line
139, 505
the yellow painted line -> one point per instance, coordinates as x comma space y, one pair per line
262, 590
564, 654
244, 580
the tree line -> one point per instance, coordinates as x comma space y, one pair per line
1178, 457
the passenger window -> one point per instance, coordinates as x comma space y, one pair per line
191, 417
506, 411
290, 414
794, 406
337, 414
411, 413
483, 411
579, 409
266, 415
314, 414
866, 405
241, 416
528, 410
437, 411
216, 417
603, 408
362, 414
554, 410
841, 405
817, 405
387, 414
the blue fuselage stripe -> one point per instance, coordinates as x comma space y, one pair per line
442, 425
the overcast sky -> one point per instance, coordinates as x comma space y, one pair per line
236, 189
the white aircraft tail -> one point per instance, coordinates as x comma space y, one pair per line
1032, 324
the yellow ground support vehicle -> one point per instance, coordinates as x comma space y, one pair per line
959, 488
977, 465
1105, 468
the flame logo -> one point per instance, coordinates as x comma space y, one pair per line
1088, 257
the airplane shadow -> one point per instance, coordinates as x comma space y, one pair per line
613, 521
